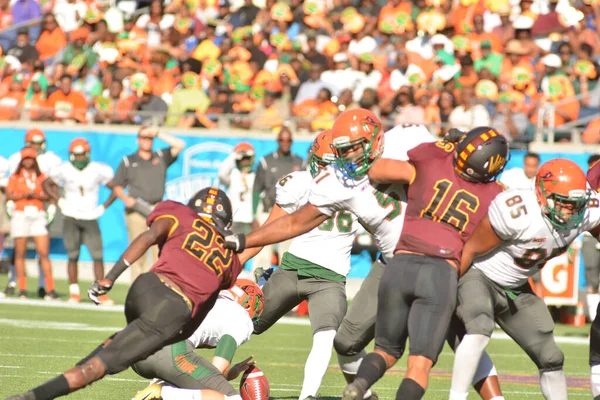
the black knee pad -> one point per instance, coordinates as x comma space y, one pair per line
595, 342
345, 346
552, 359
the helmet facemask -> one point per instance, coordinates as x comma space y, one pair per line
316, 163
80, 162
556, 204
357, 165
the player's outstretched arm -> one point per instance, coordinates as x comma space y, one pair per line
157, 233
249, 253
483, 240
386, 170
284, 228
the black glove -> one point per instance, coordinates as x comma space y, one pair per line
99, 288
454, 135
235, 242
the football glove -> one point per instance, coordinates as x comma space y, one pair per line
235, 242
454, 135
99, 288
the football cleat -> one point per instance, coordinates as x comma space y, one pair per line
41, 293
261, 276
74, 298
150, 392
23, 294
10, 289
51, 296
352, 392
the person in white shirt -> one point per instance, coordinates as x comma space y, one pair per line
522, 178
237, 176
36, 139
227, 326
468, 114
81, 179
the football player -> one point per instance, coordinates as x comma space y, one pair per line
36, 139
314, 268
358, 143
450, 188
593, 178
167, 304
522, 230
227, 326
81, 179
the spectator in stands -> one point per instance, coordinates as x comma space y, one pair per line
69, 105
36, 99
591, 260
144, 173
272, 112
548, 23
446, 103
23, 50
6, 18
11, 67
78, 49
29, 219
81, 179
189, 104
591, 135
245, 15
237, 175
310, 89
318, 113
511, 121
271, 168
12, 102
468, 114
115, 106
490, 60
52, 40
25, 10
152, 108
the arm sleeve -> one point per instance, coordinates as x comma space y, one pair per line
225, 170
226, 347
121, 175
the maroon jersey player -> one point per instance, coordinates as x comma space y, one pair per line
450, 189
167, 304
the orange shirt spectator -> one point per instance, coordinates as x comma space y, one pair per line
591, 135
37, 103
393, 7
52, 39
67, 103
12, 102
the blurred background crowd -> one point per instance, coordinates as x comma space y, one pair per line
515, 65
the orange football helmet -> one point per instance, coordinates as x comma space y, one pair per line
244, 156
247, 294
561, 190
357, 141
321, 152
36, 139
80, 147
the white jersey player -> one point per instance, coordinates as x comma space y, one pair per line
236, 174
227, 326
523, 230
522, 178
314, 268
358, 142
81, 179
36, 139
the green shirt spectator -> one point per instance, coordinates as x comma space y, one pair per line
489, 60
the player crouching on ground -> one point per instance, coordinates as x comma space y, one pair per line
186, 375
167, 304
522, 230
81, 179
314, 268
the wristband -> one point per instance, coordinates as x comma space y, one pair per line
116, 271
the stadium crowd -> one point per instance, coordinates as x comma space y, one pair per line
459, 63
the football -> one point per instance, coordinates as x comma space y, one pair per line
254, 385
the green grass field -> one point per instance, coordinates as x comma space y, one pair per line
38, 342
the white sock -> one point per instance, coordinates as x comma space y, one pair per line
350, 364
74, 288
595, 380
497, 398
593, 299
317, 363
174, 393
466, 360
484, 369
554, 385
458, 396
